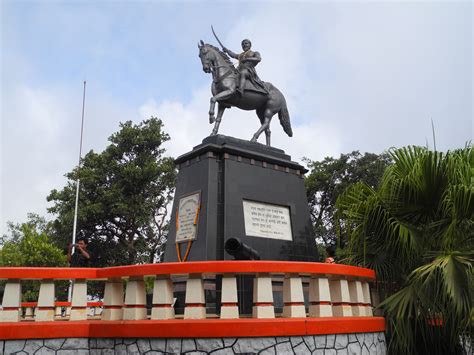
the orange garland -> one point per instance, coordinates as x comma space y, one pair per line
188, 247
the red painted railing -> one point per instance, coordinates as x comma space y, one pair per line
338, 301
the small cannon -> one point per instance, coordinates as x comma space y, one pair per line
240, 251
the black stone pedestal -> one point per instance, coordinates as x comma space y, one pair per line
227, 171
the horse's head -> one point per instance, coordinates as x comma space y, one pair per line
207, 56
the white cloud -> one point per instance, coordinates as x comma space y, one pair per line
40, 143
359, 75
188, 125
30, 157
353, 76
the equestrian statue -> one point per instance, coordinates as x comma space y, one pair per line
241, 87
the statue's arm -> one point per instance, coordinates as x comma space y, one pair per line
230, 53
255, 58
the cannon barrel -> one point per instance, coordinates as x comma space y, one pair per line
240, 251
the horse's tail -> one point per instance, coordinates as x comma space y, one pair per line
284, 117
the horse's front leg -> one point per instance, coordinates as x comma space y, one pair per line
223, 95
220, 111
219, 97
211, 110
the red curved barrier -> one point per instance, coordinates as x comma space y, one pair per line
208, 327
195, 267
57, 273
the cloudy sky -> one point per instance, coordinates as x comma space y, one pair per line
356, 75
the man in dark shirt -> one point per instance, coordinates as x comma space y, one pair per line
81, 256
331, 253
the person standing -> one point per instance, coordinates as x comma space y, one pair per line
81, 256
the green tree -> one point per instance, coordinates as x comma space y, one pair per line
124, 195
329, 178
28, 244
417, 232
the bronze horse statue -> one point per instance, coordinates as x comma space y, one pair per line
224, 90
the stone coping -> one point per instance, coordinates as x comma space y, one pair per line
192, 267
223, 144
203, 328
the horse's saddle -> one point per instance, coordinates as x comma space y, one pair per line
251, 85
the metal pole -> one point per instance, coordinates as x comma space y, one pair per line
78, 170
434, 136
77, 185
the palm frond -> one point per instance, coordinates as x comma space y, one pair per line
417, 232
439, 293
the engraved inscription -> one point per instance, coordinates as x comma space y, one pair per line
267, 221
187, 218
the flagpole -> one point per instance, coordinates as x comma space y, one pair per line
78, 169
74, 228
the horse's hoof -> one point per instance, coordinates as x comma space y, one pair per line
253, 140
212, 119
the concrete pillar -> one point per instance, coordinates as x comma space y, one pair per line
357, 298
98, 311
195, 301
135, 299
57, 311
29, 313
45, 309
79, 300
319, 297
11, 302
293, 297
367, 300
341, 301
90, 311
263, 297
113, 300
163, 299
229, 300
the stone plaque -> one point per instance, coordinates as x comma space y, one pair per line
267, 221
187, 217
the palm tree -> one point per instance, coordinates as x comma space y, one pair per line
417, 232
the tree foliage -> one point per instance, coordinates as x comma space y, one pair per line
124, 195
417, 232
329, 178
30, 245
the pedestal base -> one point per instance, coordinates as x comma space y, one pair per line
228, 172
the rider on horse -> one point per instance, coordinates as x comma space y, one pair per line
266, 103
248, 60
